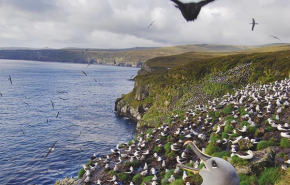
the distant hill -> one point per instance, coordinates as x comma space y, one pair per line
123, 57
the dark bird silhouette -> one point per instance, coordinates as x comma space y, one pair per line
61, 92
9, 78
57, 114
52, 104
50, 149
95, 80
85, 50
253, 24
150, 24
22, 132
85, 73
190, 11
274, 37
63, 98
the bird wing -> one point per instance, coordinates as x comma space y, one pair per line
50, 149
178, 3
253, 27
202, 3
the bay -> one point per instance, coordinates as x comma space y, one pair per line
69, 103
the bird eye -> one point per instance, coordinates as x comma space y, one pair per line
214, 165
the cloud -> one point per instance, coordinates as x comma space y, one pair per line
123, 23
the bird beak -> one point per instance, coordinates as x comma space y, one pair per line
199, 154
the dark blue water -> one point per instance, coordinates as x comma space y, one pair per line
86, 123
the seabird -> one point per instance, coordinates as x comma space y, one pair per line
57, 114
50, 149
9, 78
274, 37
285, 134
217, 172
22, 132
52, 104
191, 10
253, 23
150, 24
171, 179
248, 155
84, 73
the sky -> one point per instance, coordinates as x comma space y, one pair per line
123, 23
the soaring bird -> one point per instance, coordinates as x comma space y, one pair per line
190, 11
150, 24
253, 24
50, 149
9, 78
84, 73
274, 37
217, 172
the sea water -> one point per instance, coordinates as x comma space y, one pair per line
72, 104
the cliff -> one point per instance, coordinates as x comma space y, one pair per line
159, 91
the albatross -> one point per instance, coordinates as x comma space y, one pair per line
253, 24
217, 172
191, 10
50, 149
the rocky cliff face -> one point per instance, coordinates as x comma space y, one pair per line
126, 110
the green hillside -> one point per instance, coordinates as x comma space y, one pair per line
173, 84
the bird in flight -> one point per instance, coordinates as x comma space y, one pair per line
253, 23
85, 73
274, 37
150, 24
52, 104
9, 78
50, 149
57, 114
191, 10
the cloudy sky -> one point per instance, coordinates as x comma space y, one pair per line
123, 23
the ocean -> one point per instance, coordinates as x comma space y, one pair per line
70, 104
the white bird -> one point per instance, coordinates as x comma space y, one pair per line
249, 156
184, 175
129, 171
113, 179
171, 179
285, 134
244, 129
145, 166
144, 173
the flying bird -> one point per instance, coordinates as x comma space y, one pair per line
150, 24
57, 114
9, 78
191, 10
22, 132
85, 73
274, 37
52, 104
253, 24
50, 149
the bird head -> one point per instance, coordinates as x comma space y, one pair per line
217, 171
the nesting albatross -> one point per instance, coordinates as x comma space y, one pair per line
217, 172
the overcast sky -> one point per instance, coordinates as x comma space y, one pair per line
123, 23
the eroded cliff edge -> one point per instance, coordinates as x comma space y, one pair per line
159, 91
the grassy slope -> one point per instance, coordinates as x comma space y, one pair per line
190, 80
